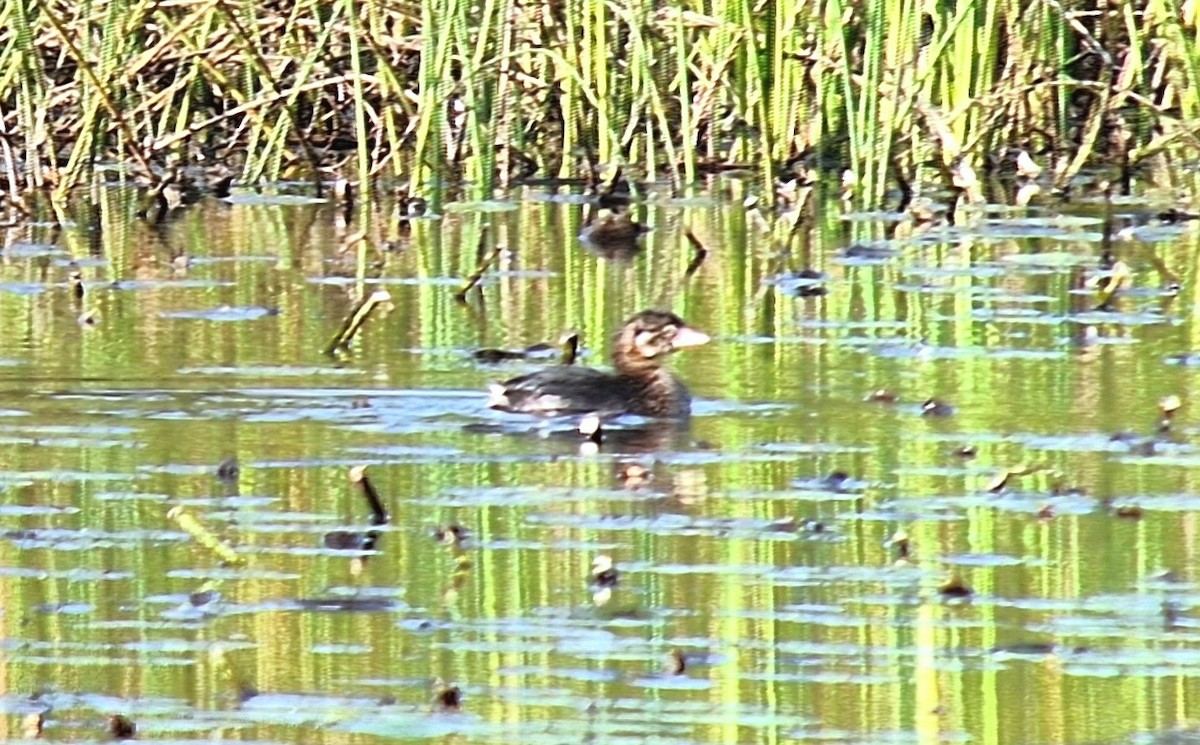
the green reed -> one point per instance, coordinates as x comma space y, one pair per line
442, 93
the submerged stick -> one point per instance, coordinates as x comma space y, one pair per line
1118, 278
484, 264
701, 253
351, 241
358, 477
205, 537
343, 194
355, 320
76, 279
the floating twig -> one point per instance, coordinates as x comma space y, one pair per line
75, 275
604, 571
343, 194
485, 262
1168, 405
355, 320
461, 295
205, 537
701, 253
1119, 276
222, 187
903, 545
569, 343
32, 725
379, 513
614, 191
122, 727
676, 662
492, 356
350, 242
998, 482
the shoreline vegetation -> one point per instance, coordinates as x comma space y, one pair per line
440, 95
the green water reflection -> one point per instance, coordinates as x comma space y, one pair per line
775, 582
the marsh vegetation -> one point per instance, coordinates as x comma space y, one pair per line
439, 93
938, 482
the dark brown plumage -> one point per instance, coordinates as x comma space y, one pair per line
640, 384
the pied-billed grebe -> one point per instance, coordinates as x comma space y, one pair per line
639, 386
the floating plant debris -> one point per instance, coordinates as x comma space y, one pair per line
343, 195
567, 351
1168, 406
75, 275
836, 481
203, 536
808, 283
955, 587
569, 343
121, 727
447, 697
863, 253
676, 662
999, 481
358, 477
902, 544
334, 604
1128, 511
935, 408
604, 571
882, 396
485, 262
32, 725
492, 356
1032, 648
613, 233
1107, 287
228, 470
358, 541
349, 540
1174, 215
350, 241
634, 475
356, 318
451, 535
699, 253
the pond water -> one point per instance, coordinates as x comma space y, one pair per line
761, 550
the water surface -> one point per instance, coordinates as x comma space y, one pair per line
754, 545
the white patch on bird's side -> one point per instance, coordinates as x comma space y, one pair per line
497, 396
548, 402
